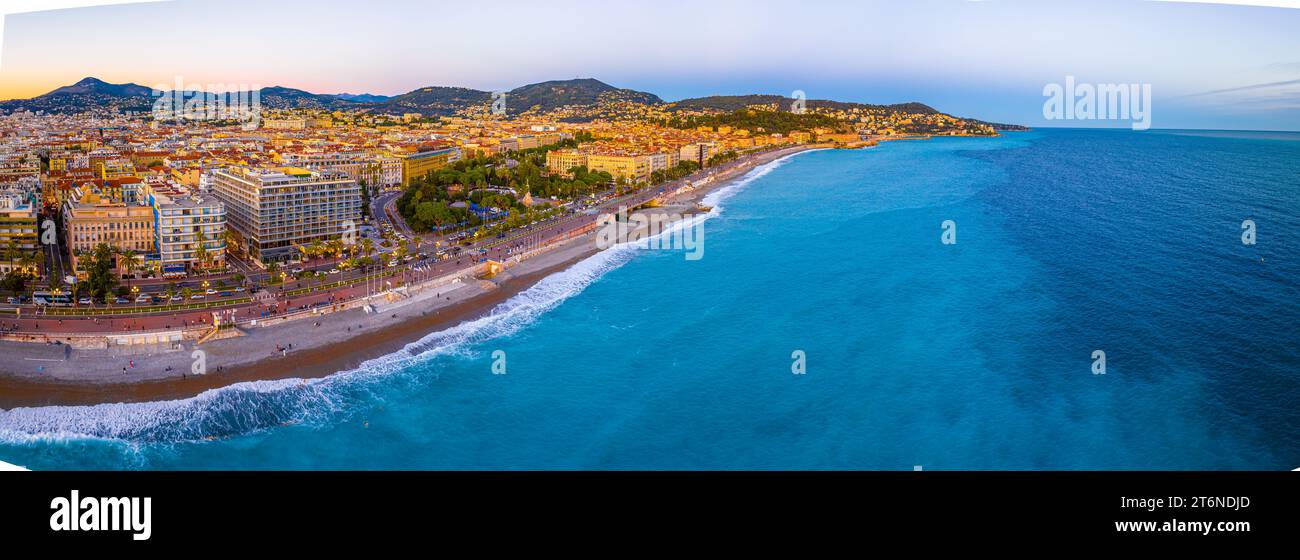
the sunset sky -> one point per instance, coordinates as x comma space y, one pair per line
1210, 66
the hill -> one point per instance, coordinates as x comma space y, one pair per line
582, 99
548, 96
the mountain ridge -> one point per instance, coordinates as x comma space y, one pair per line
92, 93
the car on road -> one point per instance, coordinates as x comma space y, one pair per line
334, 271
209, 291
297, 270
177, 298
197, 296
82, 301
121, 301
142, 298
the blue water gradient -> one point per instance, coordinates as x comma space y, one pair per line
976, 355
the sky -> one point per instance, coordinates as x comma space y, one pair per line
1209, 65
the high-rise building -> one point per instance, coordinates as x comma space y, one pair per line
273, 211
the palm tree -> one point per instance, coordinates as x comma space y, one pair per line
201, 252
316, 249
11, 252
127, 258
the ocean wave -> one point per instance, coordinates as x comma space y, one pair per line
249, 407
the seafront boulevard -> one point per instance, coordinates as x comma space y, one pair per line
62, 360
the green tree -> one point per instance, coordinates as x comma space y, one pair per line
100, 277
14, 281
201, 252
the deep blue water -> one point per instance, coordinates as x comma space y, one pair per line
976, 355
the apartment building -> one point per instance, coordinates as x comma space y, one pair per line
561, 161
19, 232
181, 224
285, 124
375, 171
635, 168
15, 166
272, 211
419, 163
91, 218
699, 152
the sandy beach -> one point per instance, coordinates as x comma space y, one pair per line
315, 346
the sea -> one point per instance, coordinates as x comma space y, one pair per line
1057, 299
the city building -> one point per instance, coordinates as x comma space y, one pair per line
634, 168
419, 163
19, 233
273, 211
698, 152
183, 224
561, 161
91, 218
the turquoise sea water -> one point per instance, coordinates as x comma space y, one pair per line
976, 355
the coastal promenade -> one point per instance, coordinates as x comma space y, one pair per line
311, 334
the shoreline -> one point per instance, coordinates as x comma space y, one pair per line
320, 348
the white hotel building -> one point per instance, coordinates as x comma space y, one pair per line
273, 211
181, 223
